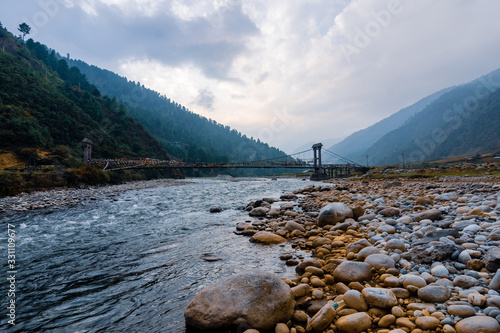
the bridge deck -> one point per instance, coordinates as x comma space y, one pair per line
119, 164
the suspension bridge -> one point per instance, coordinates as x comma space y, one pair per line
321, 171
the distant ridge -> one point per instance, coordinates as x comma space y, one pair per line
355, 145
463, 121
459, 120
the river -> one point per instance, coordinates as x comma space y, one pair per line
132, 264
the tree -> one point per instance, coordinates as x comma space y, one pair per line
24, 28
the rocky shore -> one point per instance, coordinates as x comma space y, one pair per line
387, 257
55, 199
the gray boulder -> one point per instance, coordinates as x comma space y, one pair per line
334, 213
253, 299
430, 252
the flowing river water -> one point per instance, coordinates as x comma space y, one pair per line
133, 264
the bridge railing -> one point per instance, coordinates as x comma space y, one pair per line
118, 164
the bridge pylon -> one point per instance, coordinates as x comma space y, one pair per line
318, 174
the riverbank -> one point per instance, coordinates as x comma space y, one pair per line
404, 256
67, 197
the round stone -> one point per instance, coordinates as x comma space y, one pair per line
392, 281
240, 300
434, 293
477, 324
315, 271
440, 271
427, 322
379, 297
461, 310
397, 311
354, 323
317, 294
379, 261
414, 280
300, 316
281, 328
355, 300
349, 271
334, 213
395, 244
386, 320
266, 237
465, 281
405, 322
292, 225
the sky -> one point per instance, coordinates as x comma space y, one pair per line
285, 71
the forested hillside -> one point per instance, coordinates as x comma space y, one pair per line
355, 146
45, 104
463, 121
186, 135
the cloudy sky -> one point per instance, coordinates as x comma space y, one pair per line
285, 71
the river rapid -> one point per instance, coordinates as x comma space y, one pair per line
133, 263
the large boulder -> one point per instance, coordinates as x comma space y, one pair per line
253, 299
334, 213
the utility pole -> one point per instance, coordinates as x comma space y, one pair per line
403, 153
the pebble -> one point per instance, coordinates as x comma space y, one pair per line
354, 323
427, 322
355, 300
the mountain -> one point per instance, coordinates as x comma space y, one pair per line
463, 121
355, 145
46, 105
186, 135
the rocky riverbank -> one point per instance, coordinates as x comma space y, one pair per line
399, 256
55, 199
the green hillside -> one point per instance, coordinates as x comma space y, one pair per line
462, 121
44, 104
46, 109
186, 135
355, 146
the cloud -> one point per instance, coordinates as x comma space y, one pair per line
243, 63
205, 99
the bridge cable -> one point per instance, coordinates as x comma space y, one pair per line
342, 158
